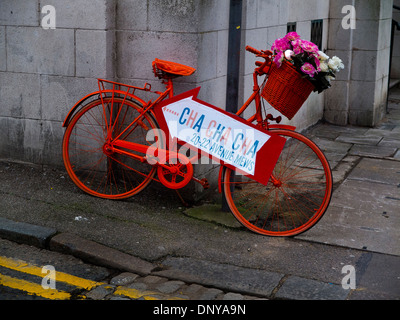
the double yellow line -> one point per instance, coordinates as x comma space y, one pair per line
53, 294
37, 289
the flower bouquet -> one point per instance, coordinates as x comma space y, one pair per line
298, 69
305, 56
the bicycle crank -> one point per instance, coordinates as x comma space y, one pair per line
176, 171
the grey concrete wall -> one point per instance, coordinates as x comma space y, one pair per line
191, 32
194, 33
360, 94
43, 73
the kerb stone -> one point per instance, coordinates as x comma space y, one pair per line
25, 233
96, 253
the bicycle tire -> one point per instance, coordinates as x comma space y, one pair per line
95, 169
295, 202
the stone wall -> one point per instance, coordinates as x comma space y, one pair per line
191, 32
359, 96
44, 72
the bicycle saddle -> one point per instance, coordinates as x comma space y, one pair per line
166, 69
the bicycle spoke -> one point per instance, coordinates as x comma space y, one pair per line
293, 200
88, 153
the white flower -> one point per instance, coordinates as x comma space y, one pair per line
288, 54
322, 56
329, 78
324, 67
336, 64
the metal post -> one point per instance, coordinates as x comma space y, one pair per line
232, 91
235, 30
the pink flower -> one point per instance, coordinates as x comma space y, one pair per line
317, 63
297, 49
292, 36
278, 59
309, 46
280, 44
308, 68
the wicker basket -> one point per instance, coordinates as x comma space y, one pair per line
286, 90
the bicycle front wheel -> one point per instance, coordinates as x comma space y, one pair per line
296, 196
88, 157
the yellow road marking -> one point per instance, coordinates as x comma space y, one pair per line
33, 288
136, 294
24, 267
36, 289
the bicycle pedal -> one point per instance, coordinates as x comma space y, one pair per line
271, 118
204, 182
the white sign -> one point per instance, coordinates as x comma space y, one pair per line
215, 133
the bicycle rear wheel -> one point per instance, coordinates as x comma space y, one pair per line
296, 197
88, 157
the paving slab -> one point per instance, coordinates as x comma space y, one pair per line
380, 278
390, 142
223, 276
377, 170
359, 139
372, 151
385, 131
329, 130
362, 215
305, 289
327, 145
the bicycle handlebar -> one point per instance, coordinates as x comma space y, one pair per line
264, 54
262, 66
252, 50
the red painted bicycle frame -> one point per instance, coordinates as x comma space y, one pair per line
268, 155
264, 158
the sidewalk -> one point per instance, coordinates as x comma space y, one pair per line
366, 171
158, 245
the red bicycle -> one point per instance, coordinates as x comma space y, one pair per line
116, 143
